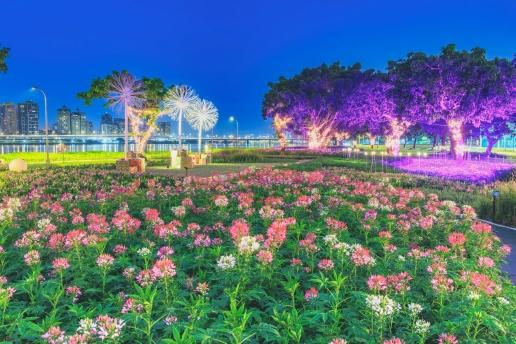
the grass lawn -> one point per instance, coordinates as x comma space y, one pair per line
208, 170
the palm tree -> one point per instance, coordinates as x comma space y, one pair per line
178, 102
125, 90
203, 116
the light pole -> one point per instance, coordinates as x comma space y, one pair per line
234, 119
46, 121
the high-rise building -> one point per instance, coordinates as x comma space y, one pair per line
75, 122
2, 117
163, 128
63, 121
11, 120
28, 118
119, 125
106, 124
84, 124
89, 127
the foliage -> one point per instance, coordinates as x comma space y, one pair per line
273, 257
4, 54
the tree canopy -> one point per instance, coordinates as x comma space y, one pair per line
440, 93
4, 54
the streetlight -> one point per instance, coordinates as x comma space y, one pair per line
495, 194
231, 119
46, 120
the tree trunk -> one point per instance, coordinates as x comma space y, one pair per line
456, 139
415, 141
491, 141
435, 142
443, 140
199, 142
405, 142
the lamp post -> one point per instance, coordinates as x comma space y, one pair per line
46, 121
234, 119
495, 194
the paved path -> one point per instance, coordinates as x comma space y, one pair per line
508, 236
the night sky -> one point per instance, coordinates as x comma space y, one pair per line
227, 50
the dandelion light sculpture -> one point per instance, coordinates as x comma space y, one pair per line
179, 100
202, 116
124, 90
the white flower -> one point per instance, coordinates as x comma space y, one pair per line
422, 326
503, 301
144, 251
401, 258
315, 191
42, 224
415, 309
87, 326
382, 305
473, 296
226, 262
331, 240
248, 245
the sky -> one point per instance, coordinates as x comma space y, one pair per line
227, 50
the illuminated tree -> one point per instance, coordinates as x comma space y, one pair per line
280, 125
455, 86
143, 125
122, 89
494, 131
179, 100
312, 100
127, 92
203, 115
4, 54
372, 105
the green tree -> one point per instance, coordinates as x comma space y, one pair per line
4, 54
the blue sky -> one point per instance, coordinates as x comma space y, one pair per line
227, 50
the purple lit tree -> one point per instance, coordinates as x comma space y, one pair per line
372, 105
456, 87
494, 131
312, 101
437, 130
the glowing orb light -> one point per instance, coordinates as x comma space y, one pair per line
18, 165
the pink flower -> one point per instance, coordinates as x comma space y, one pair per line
202, 288
276, 234
485, 262
361, 256
60, 264
338, 341
447, 339
370, 215
390, 248
74, 291
54, 335
265, 257
165, 251
377, 283
131, 305
239, 230
107, 327
164, 268
32, 258
394, 341
505, 250
426, 223
146, 277
441, 283
456, 239
105, 260
325, 264
311, 294
119, 249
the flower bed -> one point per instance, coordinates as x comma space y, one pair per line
274, 256
473, 171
